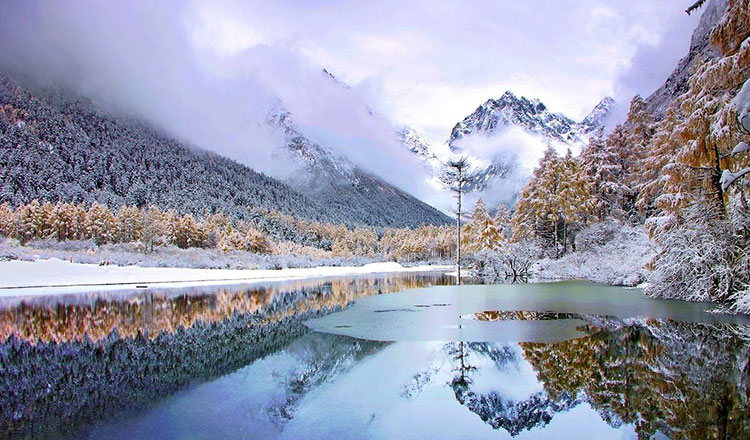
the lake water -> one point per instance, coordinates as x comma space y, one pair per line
403, 356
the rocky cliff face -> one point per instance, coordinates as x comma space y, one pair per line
700, 51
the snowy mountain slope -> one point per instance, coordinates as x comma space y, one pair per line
55, 145
341, 185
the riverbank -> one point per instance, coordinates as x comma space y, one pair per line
54, 276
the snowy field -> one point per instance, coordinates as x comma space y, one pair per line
54, 276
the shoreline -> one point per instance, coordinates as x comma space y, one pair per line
54, 276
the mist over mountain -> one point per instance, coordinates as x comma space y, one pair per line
55, 145
505, 137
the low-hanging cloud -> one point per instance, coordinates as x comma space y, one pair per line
144, 59
652, 62
513, 146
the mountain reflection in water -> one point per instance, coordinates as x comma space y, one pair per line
69, 360
226, 363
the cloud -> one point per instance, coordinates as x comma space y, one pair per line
513, 146
209, 71
203, 76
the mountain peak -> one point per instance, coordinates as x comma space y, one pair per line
510, 110
595, 119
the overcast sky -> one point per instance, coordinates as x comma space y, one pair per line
430, 63
209, 70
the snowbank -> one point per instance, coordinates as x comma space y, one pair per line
54, 276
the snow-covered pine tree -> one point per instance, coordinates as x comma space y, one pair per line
62, 219
101, 224
6, 221
640, 130
153, 228
535, 214
600, 166
502, 221
655, 166
573, 199
483, 233
129, 224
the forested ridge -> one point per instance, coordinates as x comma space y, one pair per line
55, 146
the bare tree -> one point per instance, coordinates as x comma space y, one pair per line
457, 177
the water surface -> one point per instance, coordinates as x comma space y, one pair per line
344, 358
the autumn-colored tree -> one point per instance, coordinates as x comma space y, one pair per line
6, 220
27, 224
129, 224
101, 224
639, 128
153, 227
535, 209
656, 163
63, 221
556, 198
483, 233
600, 165
186, 232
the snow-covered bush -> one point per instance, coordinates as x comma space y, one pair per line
597, 235
695, 264
608, 252
511, 264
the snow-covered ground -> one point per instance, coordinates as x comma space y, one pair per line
54, 276
607, 252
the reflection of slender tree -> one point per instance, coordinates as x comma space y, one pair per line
685, 380
493, 408
462, 381
72, 363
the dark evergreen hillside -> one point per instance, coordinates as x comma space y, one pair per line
56, 148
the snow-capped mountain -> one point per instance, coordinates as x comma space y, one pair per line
598, 116
409, 138
495, 116
531, 115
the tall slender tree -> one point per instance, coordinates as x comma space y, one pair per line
458, 177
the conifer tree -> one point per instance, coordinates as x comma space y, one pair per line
483, 232
6, 221
153, 227
601, 168
656, 163
129, 224
640, 130
62, 221
573, 198
101, 224
502, 221
534, 215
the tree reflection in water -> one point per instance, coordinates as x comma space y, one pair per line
68, 361
683, 380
